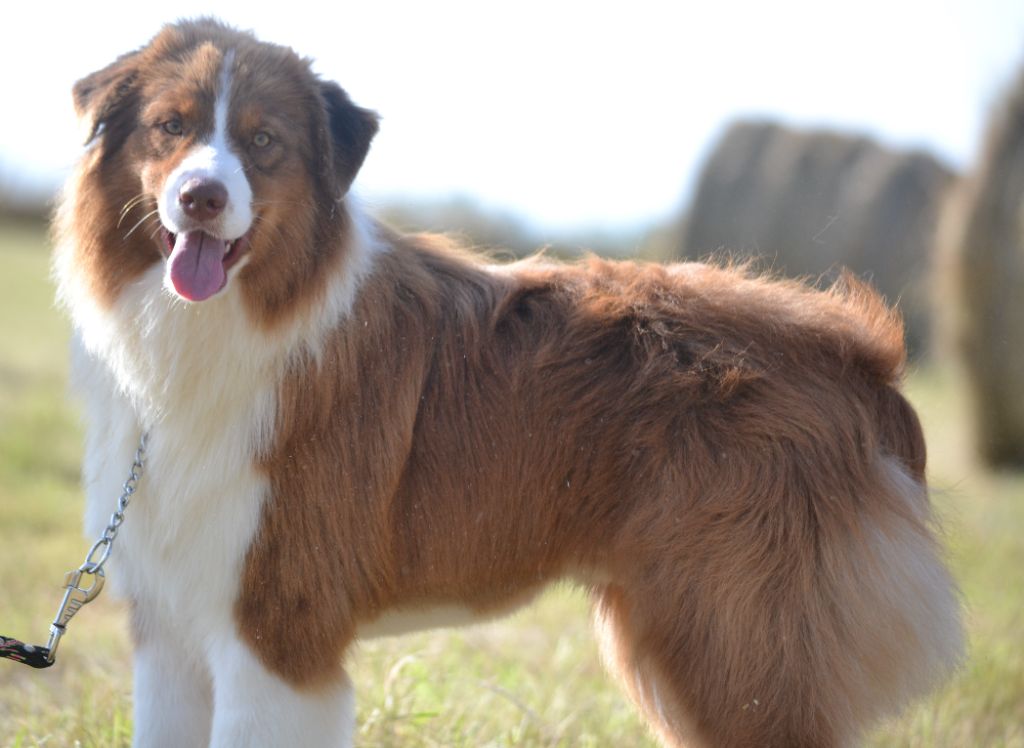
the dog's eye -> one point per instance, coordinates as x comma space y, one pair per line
261, 139
173, 127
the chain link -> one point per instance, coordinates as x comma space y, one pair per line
103, 546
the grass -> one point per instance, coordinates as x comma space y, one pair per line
530, 680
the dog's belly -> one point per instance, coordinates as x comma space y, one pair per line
404, 621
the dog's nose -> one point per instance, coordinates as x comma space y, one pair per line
203, 199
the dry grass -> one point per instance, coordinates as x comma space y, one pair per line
530, 680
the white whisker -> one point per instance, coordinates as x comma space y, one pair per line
142, 221
129, 206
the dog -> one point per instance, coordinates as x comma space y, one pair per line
354, 431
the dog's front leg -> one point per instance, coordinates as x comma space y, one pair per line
255, 708
173, 699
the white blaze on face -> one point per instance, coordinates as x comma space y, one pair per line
194, 268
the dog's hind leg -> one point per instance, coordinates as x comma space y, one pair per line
795, 622
622, 656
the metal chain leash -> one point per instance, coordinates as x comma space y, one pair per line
76, 591
104, 545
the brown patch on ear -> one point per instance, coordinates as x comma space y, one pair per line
100, 97
349, 131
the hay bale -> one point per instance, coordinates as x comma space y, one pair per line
810, 202
982, 246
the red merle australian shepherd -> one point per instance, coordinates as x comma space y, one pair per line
356, 432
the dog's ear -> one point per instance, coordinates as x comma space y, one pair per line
349, 131
103, 98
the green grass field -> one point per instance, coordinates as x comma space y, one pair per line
530, 680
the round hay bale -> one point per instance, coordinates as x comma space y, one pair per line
811, 202
982, 293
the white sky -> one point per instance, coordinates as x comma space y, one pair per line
569, 113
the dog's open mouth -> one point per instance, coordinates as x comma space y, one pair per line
198, 263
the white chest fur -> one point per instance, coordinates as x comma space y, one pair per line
203, 382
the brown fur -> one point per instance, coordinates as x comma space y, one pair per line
724, 459
710, 441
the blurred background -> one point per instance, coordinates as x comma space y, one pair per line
887, 137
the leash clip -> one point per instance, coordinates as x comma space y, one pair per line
76, 594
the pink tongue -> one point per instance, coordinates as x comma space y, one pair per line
196, 265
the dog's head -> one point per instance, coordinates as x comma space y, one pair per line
217, 155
